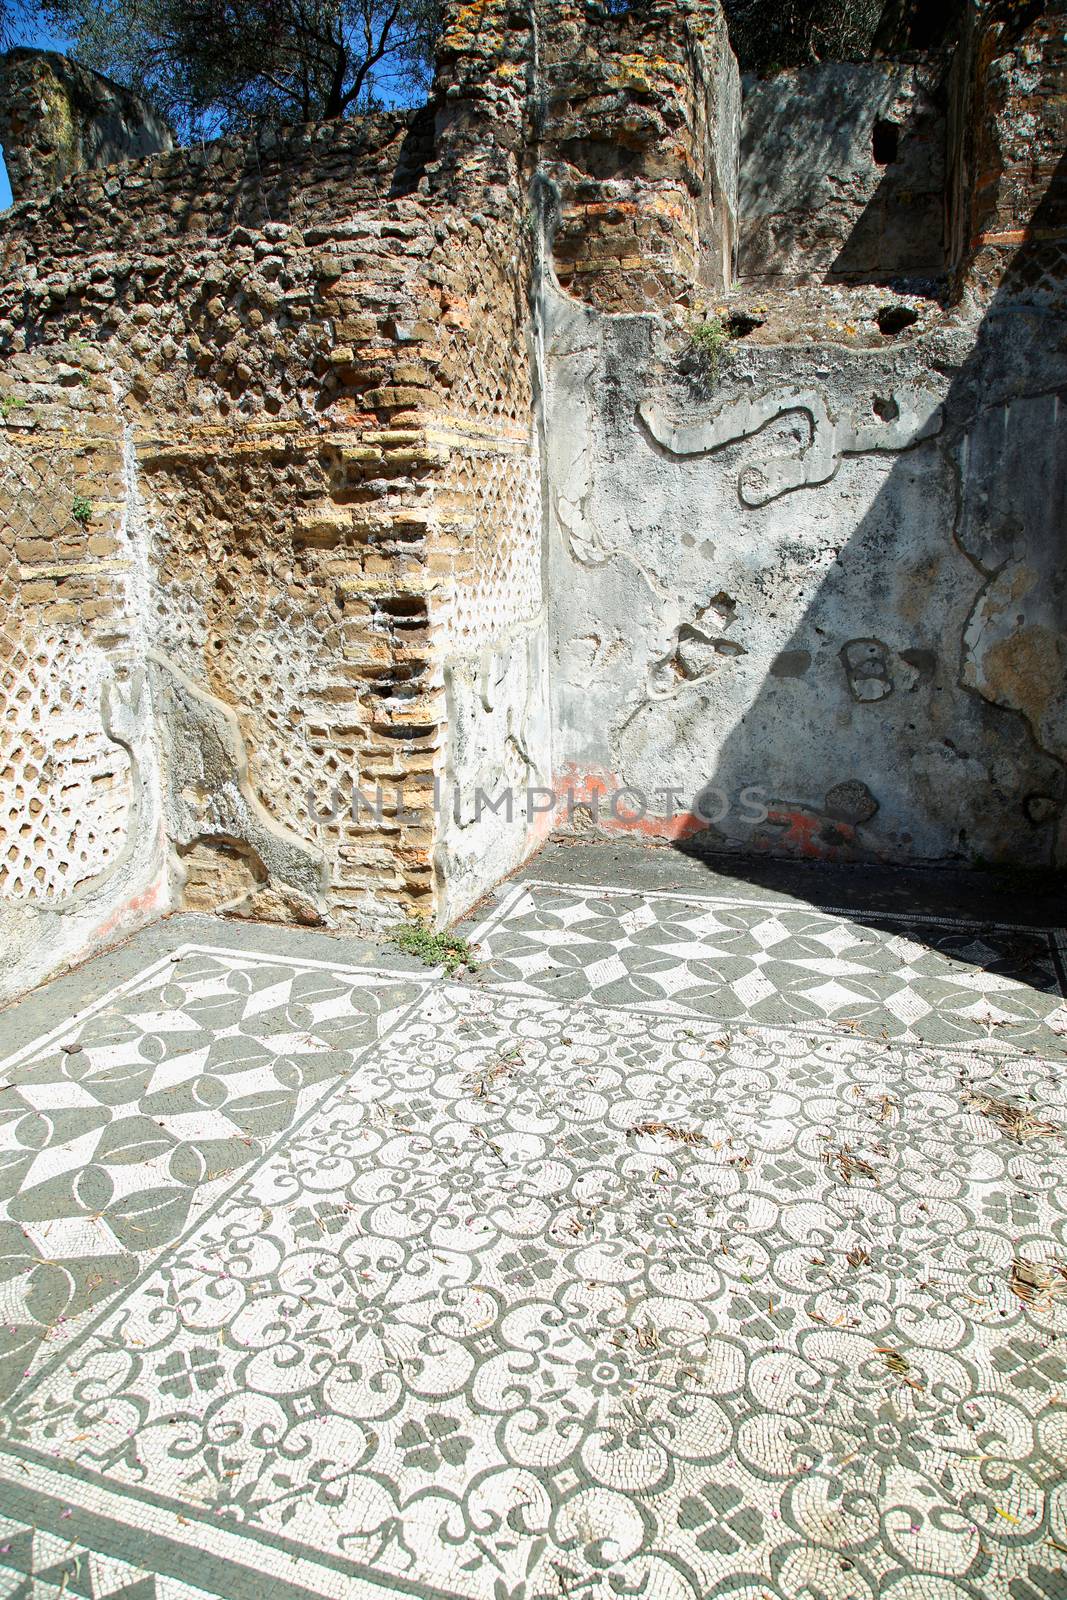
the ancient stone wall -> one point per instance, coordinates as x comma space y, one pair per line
318, 480
843, 174
58, 118
639, 131
169, 202
360, 485
806, 596
1008, 180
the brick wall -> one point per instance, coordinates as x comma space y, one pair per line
272, 445
1008, 180
640, 116
267, 421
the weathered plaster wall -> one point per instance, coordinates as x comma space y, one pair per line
780, 587
82, 852
833, 573
843, 174
58, 118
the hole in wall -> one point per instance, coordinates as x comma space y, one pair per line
894, 319
885, 142
404, 609
226, 848
740, 324
696, 652
885, 408
413, 731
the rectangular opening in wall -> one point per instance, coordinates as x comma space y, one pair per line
843, 174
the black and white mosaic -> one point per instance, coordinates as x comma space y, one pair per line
485, 1291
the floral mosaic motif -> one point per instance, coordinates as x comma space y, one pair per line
497, 1295
546, 1299
930, 980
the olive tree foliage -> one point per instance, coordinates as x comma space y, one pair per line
768, 34
18, 22
215, 65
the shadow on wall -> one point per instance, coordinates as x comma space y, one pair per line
934, 662
843, 174
900, 231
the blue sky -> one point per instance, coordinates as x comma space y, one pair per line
29, 34
34, 32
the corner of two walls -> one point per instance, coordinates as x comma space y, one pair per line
272, 535
491, 621
781, 601
215, 459
308, 494
631, 185
120, 777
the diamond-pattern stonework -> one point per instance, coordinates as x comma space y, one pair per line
64, 785
447, 1289
906, 978
122, 1126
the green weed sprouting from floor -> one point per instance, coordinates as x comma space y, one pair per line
82, 510
435, 949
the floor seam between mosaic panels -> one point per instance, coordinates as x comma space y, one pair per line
170, 1536
400, 1431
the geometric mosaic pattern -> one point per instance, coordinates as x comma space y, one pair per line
117, 1130
913, 979
35, 1565
518, 1295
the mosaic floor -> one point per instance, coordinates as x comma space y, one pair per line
693, 1247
